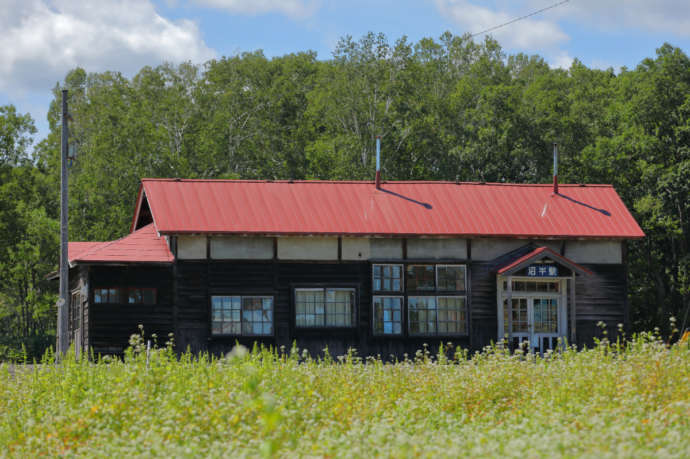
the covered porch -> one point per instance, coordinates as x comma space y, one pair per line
536, 300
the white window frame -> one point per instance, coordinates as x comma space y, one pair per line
402, 278
373, 314
353, 312
241, 333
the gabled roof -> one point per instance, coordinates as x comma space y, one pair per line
397, 209
539, 254
142, 246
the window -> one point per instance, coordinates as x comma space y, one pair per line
141, 296
433, 293
74, 310
437, 315
452, 317
422, 315
324, 307
242, 315
450, 278
519, 316
387, 315
130, 295
549, 286
420, 277
388, 278
106, 295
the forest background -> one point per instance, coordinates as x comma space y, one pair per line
446, 109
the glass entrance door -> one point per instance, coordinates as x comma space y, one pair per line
544, 323
535, 319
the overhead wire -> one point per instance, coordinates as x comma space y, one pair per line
491, 29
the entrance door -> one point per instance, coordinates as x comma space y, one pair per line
534, 319
544, 323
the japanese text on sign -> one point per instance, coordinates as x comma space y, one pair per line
542, 271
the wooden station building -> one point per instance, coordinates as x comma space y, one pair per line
352, 265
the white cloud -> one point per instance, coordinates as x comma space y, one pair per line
43, 39
529, 34
562, 60
666, 16
292, 8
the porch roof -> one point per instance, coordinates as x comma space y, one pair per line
144, 245
538, 254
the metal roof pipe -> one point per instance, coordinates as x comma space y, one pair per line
378, 161
555, 168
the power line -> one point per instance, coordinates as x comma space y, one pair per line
491, 29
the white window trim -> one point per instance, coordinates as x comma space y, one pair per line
373, 314
402, 278
353, 313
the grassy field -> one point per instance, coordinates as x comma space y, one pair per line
611, 401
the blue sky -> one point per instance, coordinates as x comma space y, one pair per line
43, 39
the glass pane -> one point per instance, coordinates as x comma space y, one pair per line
420, 277
451, 278
149, 295
216, 328
387, 277
135, 296
386, 309
377, 271
98, 296
545, 315
519, 315
309, 308
422, 314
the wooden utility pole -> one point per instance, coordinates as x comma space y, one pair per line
63, 302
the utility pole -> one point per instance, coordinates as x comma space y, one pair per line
63, 302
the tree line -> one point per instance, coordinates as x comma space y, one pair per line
446, 109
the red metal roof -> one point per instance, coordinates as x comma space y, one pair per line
142, 246
75, 249
539, 253
397, 209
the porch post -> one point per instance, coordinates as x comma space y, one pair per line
573, 311
509, 305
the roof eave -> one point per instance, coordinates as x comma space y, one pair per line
364, 234
544, 253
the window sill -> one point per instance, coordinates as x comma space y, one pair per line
232, 336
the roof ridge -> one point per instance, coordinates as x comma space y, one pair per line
371, 182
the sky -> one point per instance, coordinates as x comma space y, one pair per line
43, 39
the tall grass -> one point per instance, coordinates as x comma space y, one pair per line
613, 400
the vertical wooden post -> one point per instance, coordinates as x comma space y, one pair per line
573, 312
509, 305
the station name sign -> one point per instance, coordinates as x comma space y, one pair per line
541, 270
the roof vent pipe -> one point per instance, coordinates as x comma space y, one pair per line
378, 161
555, 168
